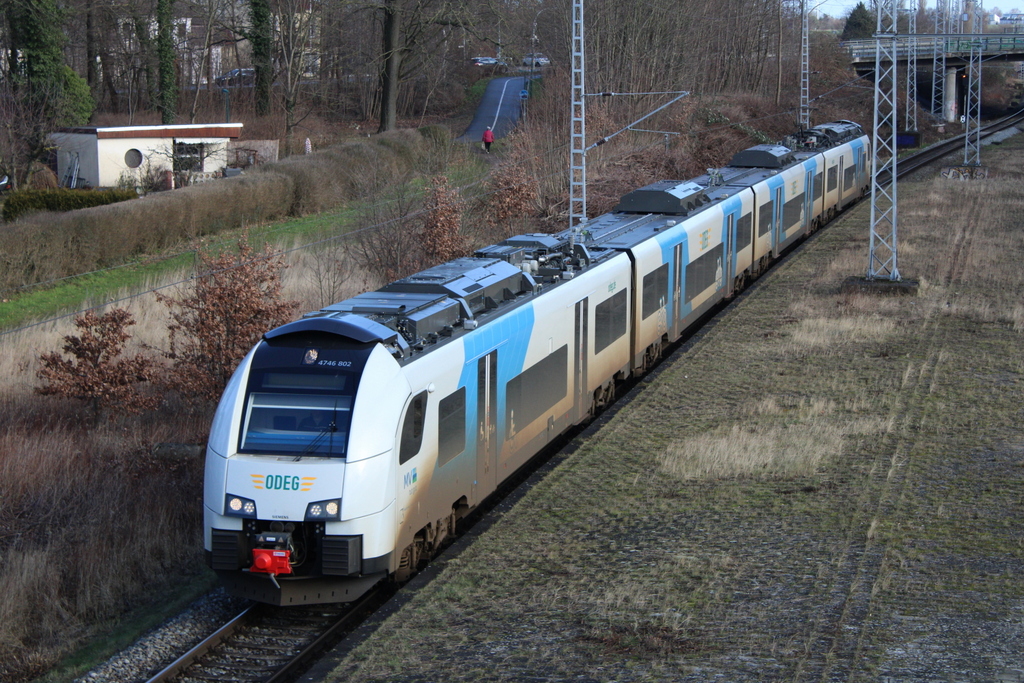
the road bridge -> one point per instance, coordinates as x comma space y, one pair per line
1003, 47
1007, 47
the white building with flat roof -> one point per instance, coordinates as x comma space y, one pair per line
91, 156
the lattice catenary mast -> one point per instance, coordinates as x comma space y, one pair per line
805, 107
578, 125
910, 115
882, 261
972, 105
939, 59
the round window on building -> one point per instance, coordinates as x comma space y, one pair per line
133, 158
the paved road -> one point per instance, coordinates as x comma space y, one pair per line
500, 109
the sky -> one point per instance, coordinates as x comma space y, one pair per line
835, 8
840, 8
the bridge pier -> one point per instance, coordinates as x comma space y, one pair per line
949, 96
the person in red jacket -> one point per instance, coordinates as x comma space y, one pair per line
488, 139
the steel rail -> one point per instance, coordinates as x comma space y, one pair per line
251, 617
941, 149
204, 646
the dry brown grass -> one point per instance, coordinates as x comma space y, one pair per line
92, 523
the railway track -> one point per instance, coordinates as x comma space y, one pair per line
265, 644
941, 149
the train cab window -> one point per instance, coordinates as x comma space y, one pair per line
451, 426
610, 320
412, 428
764, 220
655, 291
833, 178
290, 412
743, 231
817, 186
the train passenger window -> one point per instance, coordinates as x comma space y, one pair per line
849, 177
610, 321
833, 178
817, 186
764, 220
451, 426
536, 390
743, 231
655, 291
793, 211
704, 272
412, 428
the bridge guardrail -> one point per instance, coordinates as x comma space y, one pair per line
864, 50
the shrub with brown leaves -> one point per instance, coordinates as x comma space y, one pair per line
513, 200
442, 240
95, 372
235, 299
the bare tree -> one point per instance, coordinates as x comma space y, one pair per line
209, 14
297, 24
389, 246
329, 271
411, 32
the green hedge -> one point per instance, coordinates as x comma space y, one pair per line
19, 203
45, 245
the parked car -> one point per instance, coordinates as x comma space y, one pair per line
484, 61
535, 59
245, 77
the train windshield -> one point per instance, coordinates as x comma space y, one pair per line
298, 413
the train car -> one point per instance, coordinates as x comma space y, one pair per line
349, 443
842, 152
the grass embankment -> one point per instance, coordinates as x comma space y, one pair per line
826, 486
98, 523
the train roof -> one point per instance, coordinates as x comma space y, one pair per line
420, 312
763, 156
423, 311
824, 135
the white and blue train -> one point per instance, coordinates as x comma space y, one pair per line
348, 443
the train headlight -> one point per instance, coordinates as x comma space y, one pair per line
236, 506
324, 510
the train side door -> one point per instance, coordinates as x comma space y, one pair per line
777, 227
730, 244
840, 183
808, 200
487, 423
580, 392
677, 289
